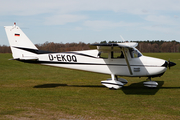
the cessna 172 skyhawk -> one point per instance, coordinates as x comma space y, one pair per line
123, 59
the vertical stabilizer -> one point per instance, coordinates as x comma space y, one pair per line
19, 41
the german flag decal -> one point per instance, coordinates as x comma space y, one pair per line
16, 34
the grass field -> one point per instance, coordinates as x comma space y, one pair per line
30, 91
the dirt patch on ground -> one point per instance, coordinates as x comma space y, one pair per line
41, 114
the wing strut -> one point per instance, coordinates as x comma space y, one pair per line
127, 60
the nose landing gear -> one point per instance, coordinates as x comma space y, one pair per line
150, 84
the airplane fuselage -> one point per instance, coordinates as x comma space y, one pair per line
88, 60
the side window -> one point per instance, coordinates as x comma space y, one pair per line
114, 55
120, 55
117, 54
135, 53
103, 55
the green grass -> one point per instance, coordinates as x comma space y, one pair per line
30, 91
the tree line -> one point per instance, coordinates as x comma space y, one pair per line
143, 46
154, 46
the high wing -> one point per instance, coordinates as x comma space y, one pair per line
111, 47
125, 45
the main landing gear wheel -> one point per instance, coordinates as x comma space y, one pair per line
114, 83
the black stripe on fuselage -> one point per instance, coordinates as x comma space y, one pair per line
34, 50
72, 63
77, 63
49, 52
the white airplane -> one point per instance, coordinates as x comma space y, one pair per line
123, 59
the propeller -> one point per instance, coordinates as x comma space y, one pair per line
170, 64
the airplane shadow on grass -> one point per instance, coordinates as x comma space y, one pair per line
132, 89
53, 85
140, 89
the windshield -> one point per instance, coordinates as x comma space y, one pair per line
135, 53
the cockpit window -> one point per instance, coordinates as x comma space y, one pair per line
135, 53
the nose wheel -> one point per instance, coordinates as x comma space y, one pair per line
150, 84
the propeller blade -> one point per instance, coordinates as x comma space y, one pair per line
170, 64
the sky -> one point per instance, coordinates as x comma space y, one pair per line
90, 21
